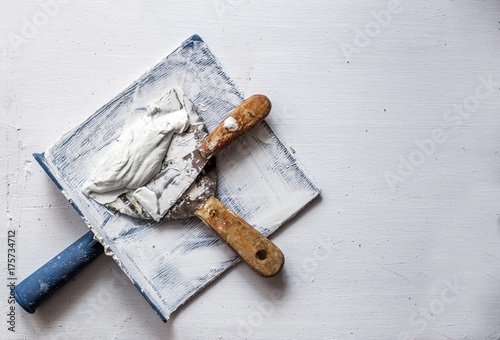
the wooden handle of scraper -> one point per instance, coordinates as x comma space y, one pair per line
243, 118
263, 256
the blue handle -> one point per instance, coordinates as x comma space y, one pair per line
39, 286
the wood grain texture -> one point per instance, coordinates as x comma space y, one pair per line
263, 256
363, 261
246, 115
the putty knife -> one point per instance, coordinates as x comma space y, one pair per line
264, 257
259, 179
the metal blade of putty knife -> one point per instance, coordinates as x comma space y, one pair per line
174, 180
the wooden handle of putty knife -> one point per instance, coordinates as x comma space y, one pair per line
242, 119
263, 256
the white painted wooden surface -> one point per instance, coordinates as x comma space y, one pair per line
405, 239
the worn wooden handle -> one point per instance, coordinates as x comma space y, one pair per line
263, 256
240, 120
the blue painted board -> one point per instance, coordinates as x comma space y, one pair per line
259, 179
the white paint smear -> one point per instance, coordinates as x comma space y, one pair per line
231, 124
136, 156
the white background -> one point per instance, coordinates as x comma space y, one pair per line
405, 238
